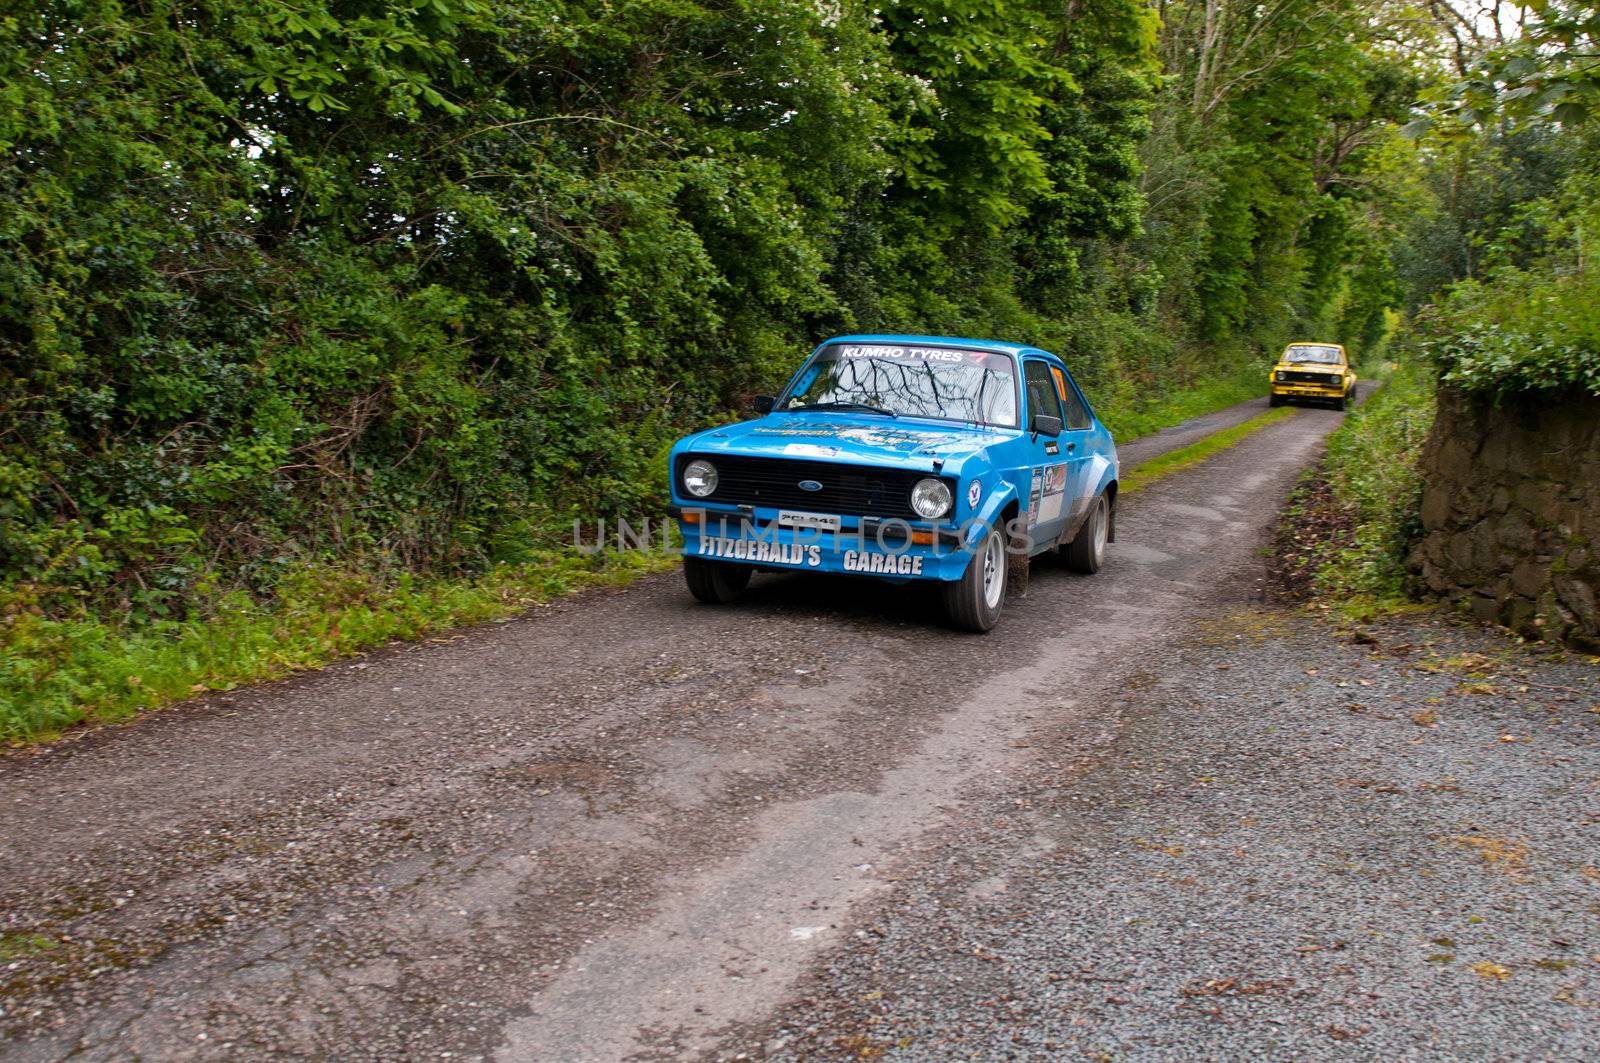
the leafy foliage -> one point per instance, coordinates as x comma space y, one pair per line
1353, 519
399, 288
406, 285
1533, 322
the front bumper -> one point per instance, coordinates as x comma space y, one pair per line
863, 546
1308, 391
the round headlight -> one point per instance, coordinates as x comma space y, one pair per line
700, 478
930, 498
1281, 374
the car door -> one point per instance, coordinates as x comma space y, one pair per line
1049, 501
1075, 448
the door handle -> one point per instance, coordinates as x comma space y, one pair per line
1071, 447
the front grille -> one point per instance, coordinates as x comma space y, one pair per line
851, 490
1292, 377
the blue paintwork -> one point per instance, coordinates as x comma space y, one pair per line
1003, 460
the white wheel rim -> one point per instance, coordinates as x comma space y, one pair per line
994, 571
1100, 530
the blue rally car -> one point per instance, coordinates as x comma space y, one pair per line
903, 458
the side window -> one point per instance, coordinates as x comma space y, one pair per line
1042, 397
1077, 412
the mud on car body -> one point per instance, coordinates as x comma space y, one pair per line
903, 458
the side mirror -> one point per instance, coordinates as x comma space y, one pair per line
764, 403
1046, 424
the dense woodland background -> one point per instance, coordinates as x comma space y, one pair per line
403, 286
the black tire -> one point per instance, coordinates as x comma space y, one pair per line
715, 582
1087, 550
1342, 401
1274, 400
974, 602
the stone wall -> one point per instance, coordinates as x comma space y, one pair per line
1511, 513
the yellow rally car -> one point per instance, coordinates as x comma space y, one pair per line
1317, 371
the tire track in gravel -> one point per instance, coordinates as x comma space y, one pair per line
612, 827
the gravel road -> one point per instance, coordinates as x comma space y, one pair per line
628, 825
1301, 843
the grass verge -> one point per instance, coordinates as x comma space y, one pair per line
1130, 419
1352, 518
60, 674
1142, 476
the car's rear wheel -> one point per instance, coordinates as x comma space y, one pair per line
974, 602
715, 582
1087, 550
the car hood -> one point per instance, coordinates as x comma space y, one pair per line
848, 438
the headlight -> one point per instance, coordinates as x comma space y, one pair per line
930, 498
1282, 375
700, 478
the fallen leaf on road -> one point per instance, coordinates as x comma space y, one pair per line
1427, 718
1491, 970
1232, 987
1503, 853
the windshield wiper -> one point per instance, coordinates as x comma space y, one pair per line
867, 407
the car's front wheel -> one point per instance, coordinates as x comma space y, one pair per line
715, 582
974, 601
1274, 400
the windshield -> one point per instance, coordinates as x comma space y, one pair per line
1313, 353
943, 383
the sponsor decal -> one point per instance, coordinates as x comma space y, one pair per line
810, 450
863, 435
760, 551
808, 555
882, 564
1055, 479
1052, 448
1046, 493
913, 354
816, 431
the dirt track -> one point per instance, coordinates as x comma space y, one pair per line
616, 826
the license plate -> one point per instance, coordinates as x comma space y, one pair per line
823, 521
